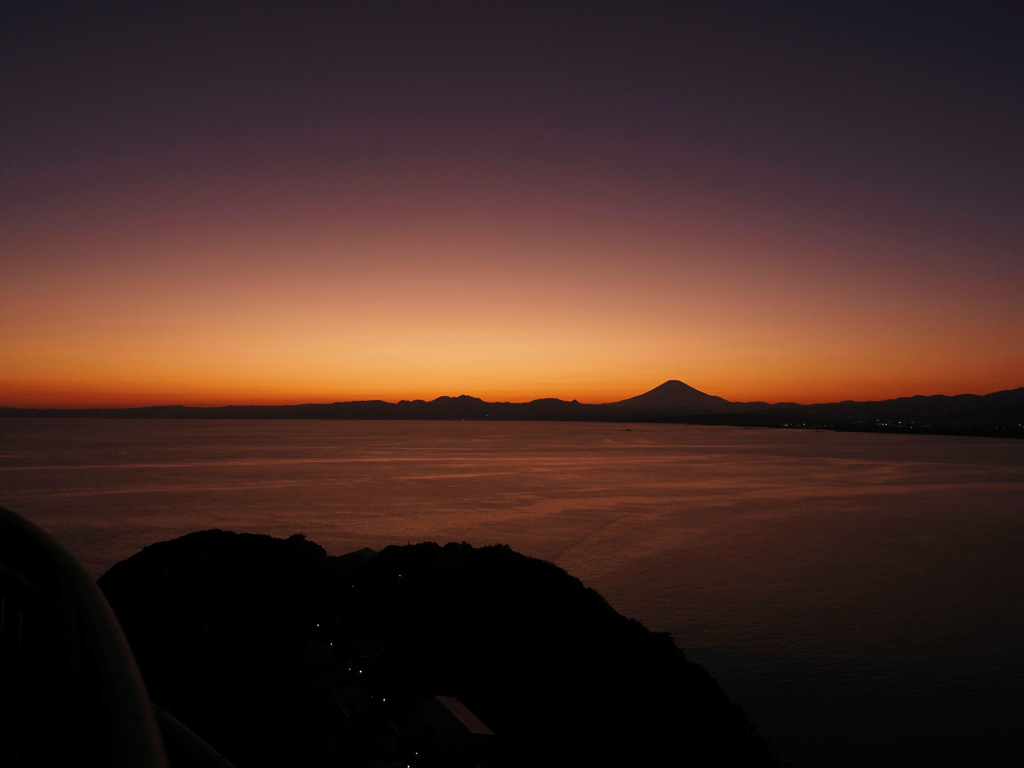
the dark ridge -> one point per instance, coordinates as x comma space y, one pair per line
277, 654
999, 414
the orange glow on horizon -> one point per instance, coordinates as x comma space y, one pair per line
508, 299
361, 210
597, 314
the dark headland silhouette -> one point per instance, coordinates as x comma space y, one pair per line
1000, 414
278, 654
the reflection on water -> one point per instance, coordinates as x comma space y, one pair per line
860, 595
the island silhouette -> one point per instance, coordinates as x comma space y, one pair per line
427, 655
999, 414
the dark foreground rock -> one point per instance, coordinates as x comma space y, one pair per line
278, 654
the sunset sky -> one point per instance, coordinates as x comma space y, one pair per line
211, 203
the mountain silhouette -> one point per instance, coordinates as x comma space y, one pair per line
677, 397
999, 414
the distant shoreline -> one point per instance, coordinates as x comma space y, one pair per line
999, 414
801, 417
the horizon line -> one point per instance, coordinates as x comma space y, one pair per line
293, 404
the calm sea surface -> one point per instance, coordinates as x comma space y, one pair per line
861, 596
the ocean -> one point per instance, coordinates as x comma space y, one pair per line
860, 596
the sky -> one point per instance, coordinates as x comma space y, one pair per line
213, 203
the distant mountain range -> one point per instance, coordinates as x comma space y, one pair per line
1000, 414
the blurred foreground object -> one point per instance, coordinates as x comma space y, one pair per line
70, 691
